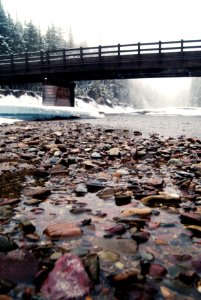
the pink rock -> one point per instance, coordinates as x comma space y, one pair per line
68, 280
62, 230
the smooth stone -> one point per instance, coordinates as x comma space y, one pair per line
6, 244
167, 199
196, 168
27, 226
96, 155
4, 297
32, 237
39, 193
157, 271
81, 190
191, 218
9, 201
60, 230
95, 185
92, 265
106, 193
55, 256
18, 266
32, 202
123, 276
136, 211
175, 161
114, 152
107, 255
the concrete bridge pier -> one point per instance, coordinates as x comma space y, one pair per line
58, 93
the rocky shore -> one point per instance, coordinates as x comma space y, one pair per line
96, 213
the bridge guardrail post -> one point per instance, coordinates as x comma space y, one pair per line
159, 47
182, 46
138, 48
26, 60
64, 55
81, 54
119, 51
99, 52
48, 58
41, 59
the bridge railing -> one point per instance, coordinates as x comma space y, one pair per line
44, 59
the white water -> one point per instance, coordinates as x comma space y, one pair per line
29, 108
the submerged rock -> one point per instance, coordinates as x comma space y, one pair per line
136, 211
68, 280
18, 266
60, 230
167, 199
7, 244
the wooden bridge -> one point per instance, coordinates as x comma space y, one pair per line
140, 60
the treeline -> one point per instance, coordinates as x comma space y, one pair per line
16, 37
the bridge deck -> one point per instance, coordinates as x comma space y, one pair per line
141, 60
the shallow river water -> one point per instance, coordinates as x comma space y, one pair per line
164, 125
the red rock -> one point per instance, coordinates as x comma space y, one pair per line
62, 230
39, 193
9, 201
68, 280
191, 218
157, 271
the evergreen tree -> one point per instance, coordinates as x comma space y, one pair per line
41, 41
54, 39
70, 42
4, 31
31, 37
15, 37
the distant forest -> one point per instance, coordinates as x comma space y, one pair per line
16, 37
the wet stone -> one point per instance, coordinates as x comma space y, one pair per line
39, 193
94, 186
62, 230
81, 190
7, 244
27, 226
18, 266
32, 202
157, 270
68, 279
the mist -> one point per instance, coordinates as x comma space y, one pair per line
160, 92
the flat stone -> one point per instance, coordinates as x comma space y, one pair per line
136, 211
60, 230
161, 199
18, 266
39, 193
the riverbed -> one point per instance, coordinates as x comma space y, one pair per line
114, 201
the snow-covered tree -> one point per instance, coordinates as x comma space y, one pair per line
31, 37
4, 31
54, 38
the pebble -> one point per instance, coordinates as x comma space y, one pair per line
60, 230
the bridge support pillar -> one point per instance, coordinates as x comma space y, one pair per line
58, 93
